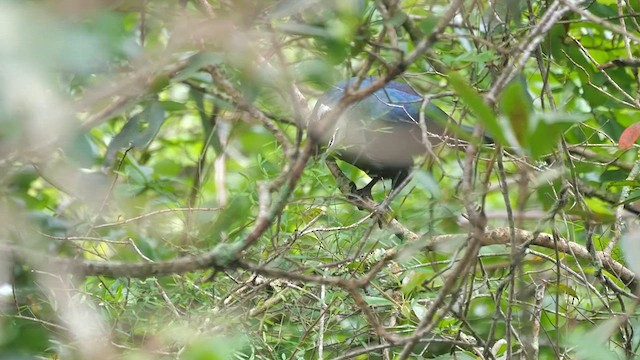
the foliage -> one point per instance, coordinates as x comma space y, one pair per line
160, 198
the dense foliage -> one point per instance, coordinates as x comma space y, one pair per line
160, 197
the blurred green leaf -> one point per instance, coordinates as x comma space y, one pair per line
138, 132
516, 104
415, 281
83, 151
591, 345
196, 63
377, 301
477, 105
425, 180
614, 175
427, 25
213, 348
546, 129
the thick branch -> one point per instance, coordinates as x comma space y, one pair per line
225, 256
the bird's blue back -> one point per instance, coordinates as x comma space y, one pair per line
381, 133
395, 102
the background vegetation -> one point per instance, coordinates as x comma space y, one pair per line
160, 199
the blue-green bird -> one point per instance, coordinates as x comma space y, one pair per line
381, 133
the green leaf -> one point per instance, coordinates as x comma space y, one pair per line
196, 63
159, 83
427, 25
563, 289
516, 104
294, 28
82, 150
546, 129
198, 97
173, 105
418, 309
415, 280
213, 348
612, 175
378, 301
425, 181
592, 345
477, 106
138, 132
620, 183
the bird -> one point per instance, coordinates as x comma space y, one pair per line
381, 133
